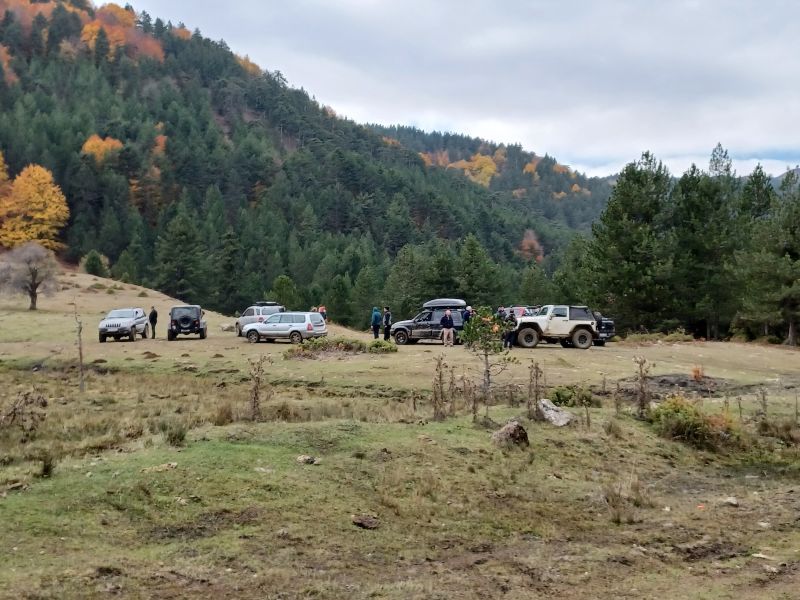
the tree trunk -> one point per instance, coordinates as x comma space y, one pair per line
792, 337
33, 295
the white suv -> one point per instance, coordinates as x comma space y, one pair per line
257, 313
292, 326
124, 323
571, 326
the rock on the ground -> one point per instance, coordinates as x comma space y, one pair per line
366, 521
511, 434
553, 414
731, 501
305, 459
227, 327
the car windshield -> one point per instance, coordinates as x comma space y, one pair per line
184, 311
120, 314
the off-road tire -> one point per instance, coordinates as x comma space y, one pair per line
202, 334
102, 339
401, 338
132, 334
296, 337
146, 332
253, 337
528, 337
582, 339
600, 343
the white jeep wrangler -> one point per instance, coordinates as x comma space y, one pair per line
571, 326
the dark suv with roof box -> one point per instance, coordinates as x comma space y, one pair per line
426, 325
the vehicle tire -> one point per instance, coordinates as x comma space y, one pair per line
253, 337
565, 343
238, 331
132, 334
401, 338
202, 334
582, 339
170, 336
296, 337
600, 343
146, 332
528, 337
102, 339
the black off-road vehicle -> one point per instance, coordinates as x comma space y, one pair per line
426, 325
186, 320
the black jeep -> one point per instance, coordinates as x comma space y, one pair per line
427, 324
186, 320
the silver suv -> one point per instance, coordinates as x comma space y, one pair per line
292, 326
257, 313
124, 323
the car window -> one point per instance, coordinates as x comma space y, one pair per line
248, 313
580, 314
184, 311
425, 316
543, 311
298, 318
316, 319
560, 311
287, 318
274, 319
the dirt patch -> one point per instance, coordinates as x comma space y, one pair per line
709, 549
663, 386
207, 524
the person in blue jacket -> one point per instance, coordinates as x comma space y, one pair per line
377, 319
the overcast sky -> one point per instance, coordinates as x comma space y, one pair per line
591, 83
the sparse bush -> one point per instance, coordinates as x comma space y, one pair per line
223, 415
679, 419
381, 347
619, 506
174, 431
26, 412
318, 346
111, 291
142, 294
95, 263
613, 428
785, 430
679, 335
571, 395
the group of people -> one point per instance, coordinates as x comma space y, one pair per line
322, 311
508, 333
379, 319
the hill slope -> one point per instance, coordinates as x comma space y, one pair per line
198, 173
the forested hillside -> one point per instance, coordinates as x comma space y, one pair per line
193, 171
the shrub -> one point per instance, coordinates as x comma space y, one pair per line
142, 294
174, 431
678, 335
223, 415
95, 263
571, 395
381, 347
785, 430
679, 419
317, 346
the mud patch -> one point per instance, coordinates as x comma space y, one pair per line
207, 524
709, 549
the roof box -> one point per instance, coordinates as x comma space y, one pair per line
445, 303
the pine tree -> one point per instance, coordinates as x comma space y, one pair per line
180, 266
339, 300
284, 291
366, 294
477, 279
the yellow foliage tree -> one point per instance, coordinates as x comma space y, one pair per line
100, 148
480, 168
33, 210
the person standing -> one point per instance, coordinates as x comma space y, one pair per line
153, 318
510, 331
447, 328
466, 315
324, 312
376, 321
387, 323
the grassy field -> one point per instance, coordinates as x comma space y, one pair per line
153, 483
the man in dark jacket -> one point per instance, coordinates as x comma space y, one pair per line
153, 318
376, 321
447, 328
510, 331
466, 315
387, 323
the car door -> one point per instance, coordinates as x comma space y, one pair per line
421, 329
247, 317
285, 325
141, 320
558, 322
436, 324
270, 327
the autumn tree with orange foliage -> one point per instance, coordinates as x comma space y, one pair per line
480, 168
101, 148
33, 210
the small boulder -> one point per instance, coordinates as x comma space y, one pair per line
731, 501
305, 459
365, 521
553, 414
227, 327
511, 434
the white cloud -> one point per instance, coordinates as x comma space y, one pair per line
591, 84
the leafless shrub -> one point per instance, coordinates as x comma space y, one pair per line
27, 412
642, 386
438, 395
535, 374
259, 386
29, 269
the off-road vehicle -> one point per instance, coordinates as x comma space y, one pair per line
124, 323
293, 326
186, 320
427, 324
571, 326
257, 313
